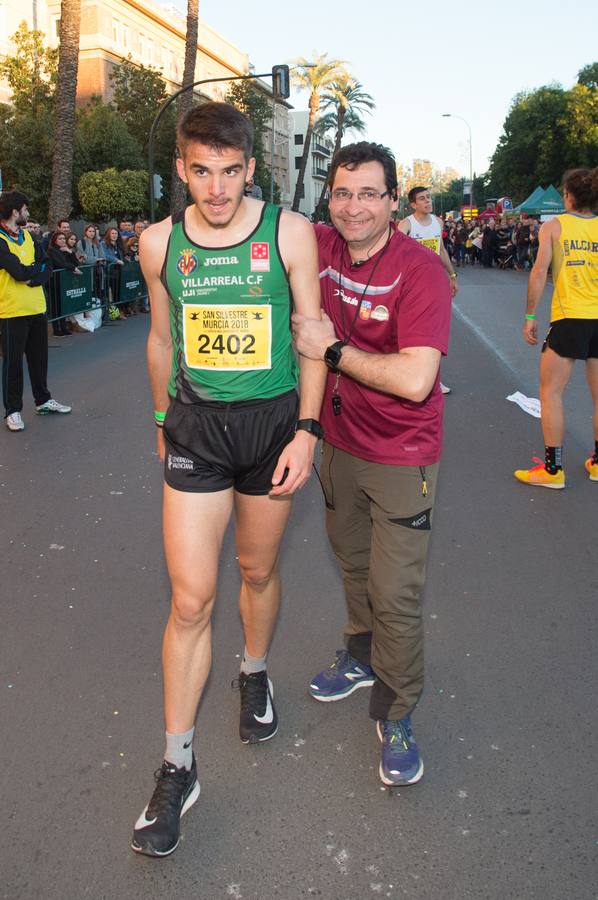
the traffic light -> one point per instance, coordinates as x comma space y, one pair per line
281, 84
157, 187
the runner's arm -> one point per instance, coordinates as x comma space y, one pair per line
300, 256
152, 250
444, 259
549, 232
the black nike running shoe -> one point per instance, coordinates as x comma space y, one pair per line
258, 721
158, 829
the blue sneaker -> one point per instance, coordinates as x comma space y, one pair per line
343, 677
400, 762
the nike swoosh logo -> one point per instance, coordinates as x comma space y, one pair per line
268, 716
143, 821
187, 745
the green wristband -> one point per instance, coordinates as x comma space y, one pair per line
159, 417
530, 315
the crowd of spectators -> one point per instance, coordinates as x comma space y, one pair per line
508, 244
105, 253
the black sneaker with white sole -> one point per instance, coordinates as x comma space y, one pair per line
158, 829
258, 721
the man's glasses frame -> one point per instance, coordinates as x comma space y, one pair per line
342, 196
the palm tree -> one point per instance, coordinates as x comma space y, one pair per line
314, 77
346, 100
61, 193
178, 191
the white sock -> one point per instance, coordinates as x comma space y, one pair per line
252, 664
179, 749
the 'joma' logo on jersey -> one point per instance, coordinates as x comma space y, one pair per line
221, 261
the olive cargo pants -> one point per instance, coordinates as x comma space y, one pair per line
378, 520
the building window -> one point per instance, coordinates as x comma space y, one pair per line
125, 37
141, 46
298, 139
115, 31
298, 162
150, 52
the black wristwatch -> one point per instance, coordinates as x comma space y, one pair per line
332, 356
312, 426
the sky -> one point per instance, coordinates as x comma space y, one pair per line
419, 61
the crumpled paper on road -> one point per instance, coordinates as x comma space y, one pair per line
530, 405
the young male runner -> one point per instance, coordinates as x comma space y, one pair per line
570, 244
426, 228
387, 303
231, 430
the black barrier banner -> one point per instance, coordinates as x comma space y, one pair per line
132, 285
76, 291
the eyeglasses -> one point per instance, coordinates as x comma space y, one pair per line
342, 196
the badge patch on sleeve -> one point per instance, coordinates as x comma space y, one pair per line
419, 522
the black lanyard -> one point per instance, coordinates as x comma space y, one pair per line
346, 337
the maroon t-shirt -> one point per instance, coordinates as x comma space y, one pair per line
407, 304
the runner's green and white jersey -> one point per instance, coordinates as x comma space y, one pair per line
230, 311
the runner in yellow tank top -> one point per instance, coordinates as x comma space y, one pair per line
570, 244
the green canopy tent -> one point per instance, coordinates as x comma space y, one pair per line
542, 203
530, 201
551, 202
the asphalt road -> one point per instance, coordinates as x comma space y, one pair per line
507, 725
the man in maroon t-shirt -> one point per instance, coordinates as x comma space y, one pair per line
384, 328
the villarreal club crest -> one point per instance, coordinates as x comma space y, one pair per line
187, 262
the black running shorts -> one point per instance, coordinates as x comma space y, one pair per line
214, 446
573, 338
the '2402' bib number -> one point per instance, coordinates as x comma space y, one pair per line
227, 336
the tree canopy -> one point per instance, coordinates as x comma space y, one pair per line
107, 135
108, 194
315, 76
546, 132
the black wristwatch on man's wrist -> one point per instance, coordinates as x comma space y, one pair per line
312, 426
332, 356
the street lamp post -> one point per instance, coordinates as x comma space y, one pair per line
454, 116
274, 74
272, 147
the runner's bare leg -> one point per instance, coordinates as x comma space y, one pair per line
261, 523
592, 379
555, 372
194, 526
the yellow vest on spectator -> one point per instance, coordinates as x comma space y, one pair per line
16, 297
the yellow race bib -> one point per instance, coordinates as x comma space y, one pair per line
431, 243
229, 337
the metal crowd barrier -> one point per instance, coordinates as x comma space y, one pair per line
98, 286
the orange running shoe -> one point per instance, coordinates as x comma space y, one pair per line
539, 477
592, 468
